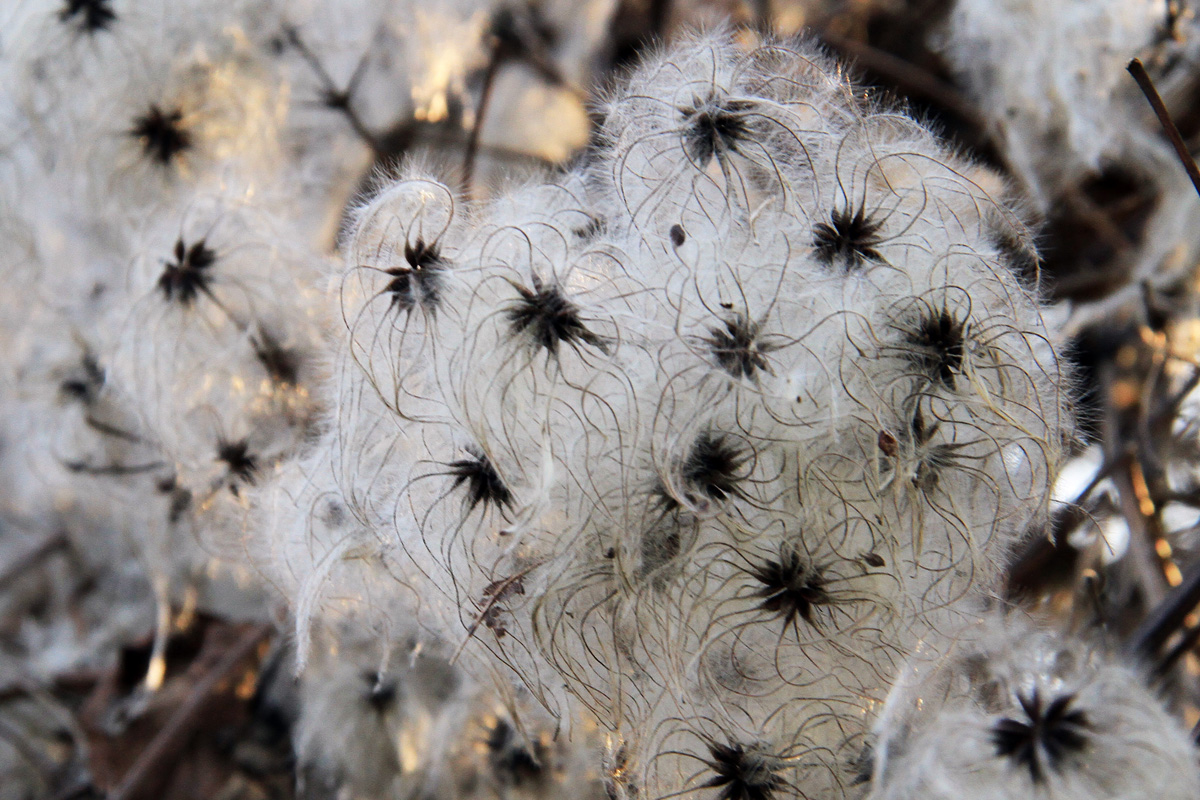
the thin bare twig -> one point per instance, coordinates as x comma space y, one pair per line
73, 790
485, 97
1189, 639
1138, 71
1173, 405
179, 727
18, 740
1167, 617
495, 594
340, 100
1147, 565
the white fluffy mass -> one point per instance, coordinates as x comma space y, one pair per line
698, 441
1016, 711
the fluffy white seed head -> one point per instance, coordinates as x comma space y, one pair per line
1013, 710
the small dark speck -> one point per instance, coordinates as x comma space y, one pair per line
92, 16
549, 317
188, 275
162, 134
484, 484
593, 228
281, 363
381, 691
237, 457
873, 560
850, 237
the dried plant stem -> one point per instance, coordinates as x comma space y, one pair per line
1138, 71
175, 733
1167, 617
485, 97
333, 97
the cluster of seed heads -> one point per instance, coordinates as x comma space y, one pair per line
170, 198
697, 442
683, 455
